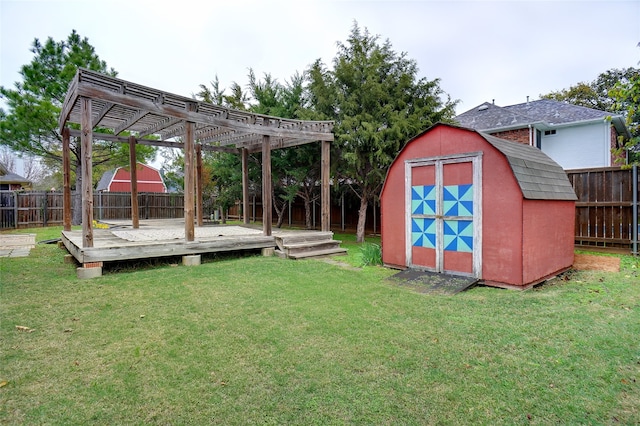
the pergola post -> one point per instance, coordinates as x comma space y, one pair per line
267, 203
66, 180
189, 232
133, 166
245, 186
199, 204
325, 198
86, 141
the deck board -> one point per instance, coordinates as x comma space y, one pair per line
156, 239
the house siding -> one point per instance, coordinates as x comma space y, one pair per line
579, 146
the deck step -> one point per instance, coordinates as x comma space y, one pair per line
308, 244
319, 253
288, 239
311, 245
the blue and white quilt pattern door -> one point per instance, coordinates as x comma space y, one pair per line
423, 217
442, 224
457, 217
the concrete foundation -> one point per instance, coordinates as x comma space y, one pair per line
192, 260
88, 273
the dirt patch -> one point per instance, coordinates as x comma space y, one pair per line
590, 262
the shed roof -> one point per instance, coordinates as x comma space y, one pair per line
121, 106
539, 177
105, 180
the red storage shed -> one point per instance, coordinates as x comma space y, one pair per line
119, 180
462, 202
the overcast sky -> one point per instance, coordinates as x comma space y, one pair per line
480, 50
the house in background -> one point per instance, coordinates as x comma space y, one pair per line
575, 137
11, 181
119, 180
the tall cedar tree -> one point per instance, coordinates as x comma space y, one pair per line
378, 103
222, 185
295, 170
30, 126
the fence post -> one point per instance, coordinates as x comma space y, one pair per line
15, 209
45, 209
635, 231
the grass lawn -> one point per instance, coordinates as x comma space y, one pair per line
254, 340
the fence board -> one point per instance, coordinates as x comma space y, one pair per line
604, 210
29, 209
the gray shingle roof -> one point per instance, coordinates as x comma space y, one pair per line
539, 177
7, 177
105, 180
488, 116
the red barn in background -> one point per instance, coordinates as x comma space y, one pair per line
462, 202
119, 180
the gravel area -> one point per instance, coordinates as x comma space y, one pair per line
175, 233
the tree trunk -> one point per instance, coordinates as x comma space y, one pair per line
307, 213
362, 219
279, 206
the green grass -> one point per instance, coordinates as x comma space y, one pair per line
255, 340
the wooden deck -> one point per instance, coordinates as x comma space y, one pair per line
162, 238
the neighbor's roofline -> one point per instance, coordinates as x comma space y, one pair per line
546, 125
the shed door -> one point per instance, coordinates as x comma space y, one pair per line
444, 215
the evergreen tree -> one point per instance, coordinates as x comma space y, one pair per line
379, 103
30, 126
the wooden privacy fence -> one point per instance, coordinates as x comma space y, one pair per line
33, 208
606, 210
607, 207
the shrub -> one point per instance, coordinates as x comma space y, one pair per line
371, 254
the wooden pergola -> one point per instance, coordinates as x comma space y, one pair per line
95, 100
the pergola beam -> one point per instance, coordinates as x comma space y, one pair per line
133, 172
66, 180
151, 142
86, 139
189, 184
267, 202
160, 125
130, 122
90, 91
103, 112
